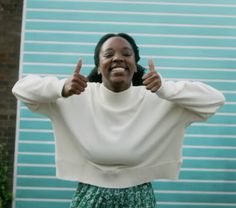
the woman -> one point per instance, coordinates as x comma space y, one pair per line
112, 135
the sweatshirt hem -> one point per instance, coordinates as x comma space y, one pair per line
118, 178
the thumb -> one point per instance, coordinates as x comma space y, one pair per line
151, 65
78, 67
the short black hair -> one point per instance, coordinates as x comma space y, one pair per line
137, 78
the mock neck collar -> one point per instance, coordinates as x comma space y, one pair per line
125, 97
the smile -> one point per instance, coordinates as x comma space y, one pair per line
118, 70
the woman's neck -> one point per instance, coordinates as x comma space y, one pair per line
117, 87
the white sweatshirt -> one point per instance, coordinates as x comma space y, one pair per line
123, 139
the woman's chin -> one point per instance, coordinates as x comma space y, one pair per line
119, 84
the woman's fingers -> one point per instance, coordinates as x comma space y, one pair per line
76, 83
152, 79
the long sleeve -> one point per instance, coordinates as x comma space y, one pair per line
196, 97
35, 91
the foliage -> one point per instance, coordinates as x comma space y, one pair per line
5, 194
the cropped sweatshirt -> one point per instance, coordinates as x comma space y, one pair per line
118, 140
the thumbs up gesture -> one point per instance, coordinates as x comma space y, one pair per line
152, 79
76, 83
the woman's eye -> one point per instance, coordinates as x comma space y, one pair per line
107, 55
127, 54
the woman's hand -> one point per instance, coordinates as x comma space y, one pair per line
152, 79
76, 83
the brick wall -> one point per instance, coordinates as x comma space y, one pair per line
10, 33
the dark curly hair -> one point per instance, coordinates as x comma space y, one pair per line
137, 78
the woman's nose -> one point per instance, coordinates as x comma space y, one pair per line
118, 57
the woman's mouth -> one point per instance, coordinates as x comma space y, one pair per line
118, 70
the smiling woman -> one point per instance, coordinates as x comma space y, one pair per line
117, 64
95, 76
118, 129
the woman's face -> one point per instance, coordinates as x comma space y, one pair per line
117, 64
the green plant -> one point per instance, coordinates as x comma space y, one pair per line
5, 194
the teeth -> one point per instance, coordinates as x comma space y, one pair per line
118, 69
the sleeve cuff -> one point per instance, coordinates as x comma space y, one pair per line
60, 87
167, 89
162, 91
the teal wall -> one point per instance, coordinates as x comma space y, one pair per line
188, 39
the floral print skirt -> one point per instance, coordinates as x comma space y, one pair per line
89, 196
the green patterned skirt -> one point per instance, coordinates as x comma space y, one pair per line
89, 196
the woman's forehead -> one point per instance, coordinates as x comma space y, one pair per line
116, 42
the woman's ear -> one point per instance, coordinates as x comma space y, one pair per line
99, 71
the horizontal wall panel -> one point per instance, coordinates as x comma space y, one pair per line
213, 141
195, 205
197, 186
129, 27
66, 48
45, 182
227, 75
49, 69
221, 85
211, 164
208, 152
208, 175
36, 159
44, 193
127, 17
199, 197
36, 136
226, 130
226, 119
25, 112
132, 6
44, 125
37, 147
36, 171
229, 109
41, 204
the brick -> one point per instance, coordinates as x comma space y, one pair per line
10, 32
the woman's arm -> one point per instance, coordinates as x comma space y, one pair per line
35, 90
198, 98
